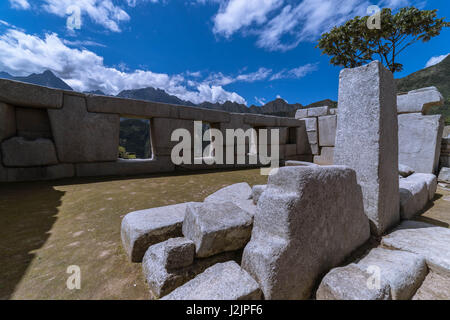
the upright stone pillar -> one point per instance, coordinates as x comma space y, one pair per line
367, 139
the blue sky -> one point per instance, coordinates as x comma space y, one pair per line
249, 51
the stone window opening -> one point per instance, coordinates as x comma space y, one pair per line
135, 139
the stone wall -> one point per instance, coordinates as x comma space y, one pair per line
419, 133
51, 134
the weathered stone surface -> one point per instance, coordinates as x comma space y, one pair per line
141, 229
239, 194
162, 129
420, 100
430, 181
223, 281
289, 122
326, 156
444, 175
446, 132
413, 197
81, 136
33, 123
293, 163
257, 192
217, 227
435, 287
301, 114
19, 152
178, 253
130, 107
327, 131
333, 111
312, 137
368, 125
303, 147
288, 150
162, 281
3, 171
403, 271
311, 124
405, 171
55, 172
259, 120
123, 167
308, 220
426, 240
7, 121
315, 149
419, 141
318, 111
350, 283
201, 114
29, 95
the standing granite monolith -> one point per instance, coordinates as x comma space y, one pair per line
367, 139
307, 221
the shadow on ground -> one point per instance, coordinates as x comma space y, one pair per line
27, 214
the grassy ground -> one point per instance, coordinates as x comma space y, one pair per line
47, 226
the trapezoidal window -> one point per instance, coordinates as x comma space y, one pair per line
135, 139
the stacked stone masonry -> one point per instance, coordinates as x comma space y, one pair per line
50, 134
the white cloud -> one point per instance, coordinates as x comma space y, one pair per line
261, 101
295, 73
83, 70
102, 12
282, 25
236, 14
435, 60
20, 4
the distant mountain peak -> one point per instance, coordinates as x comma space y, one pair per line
46, 79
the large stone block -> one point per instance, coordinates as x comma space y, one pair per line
238, 193
404, 271
141, 229
405, 171
124, 167
444, 175
259, 120
81, 136
3, 171
318, 111
420, 100
326, 156
430, 181
413, 197
162, 280
419, 139
303, 147
7, 121
425, 240
311, 124
162, 129
308, 221
217, 227
54, 172
19, 152
223, 281
327, 131
33, 123
29, 95
301, 114
200, 114
257, 192
350, 283
130, 107
367, 126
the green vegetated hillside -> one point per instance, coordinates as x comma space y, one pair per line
438, 76
135, 138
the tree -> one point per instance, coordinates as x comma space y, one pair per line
354, 43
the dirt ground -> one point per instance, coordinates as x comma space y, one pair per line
46, 227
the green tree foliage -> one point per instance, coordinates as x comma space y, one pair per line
354, 44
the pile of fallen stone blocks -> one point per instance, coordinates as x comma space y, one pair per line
409, 261
177, 243
321, 130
